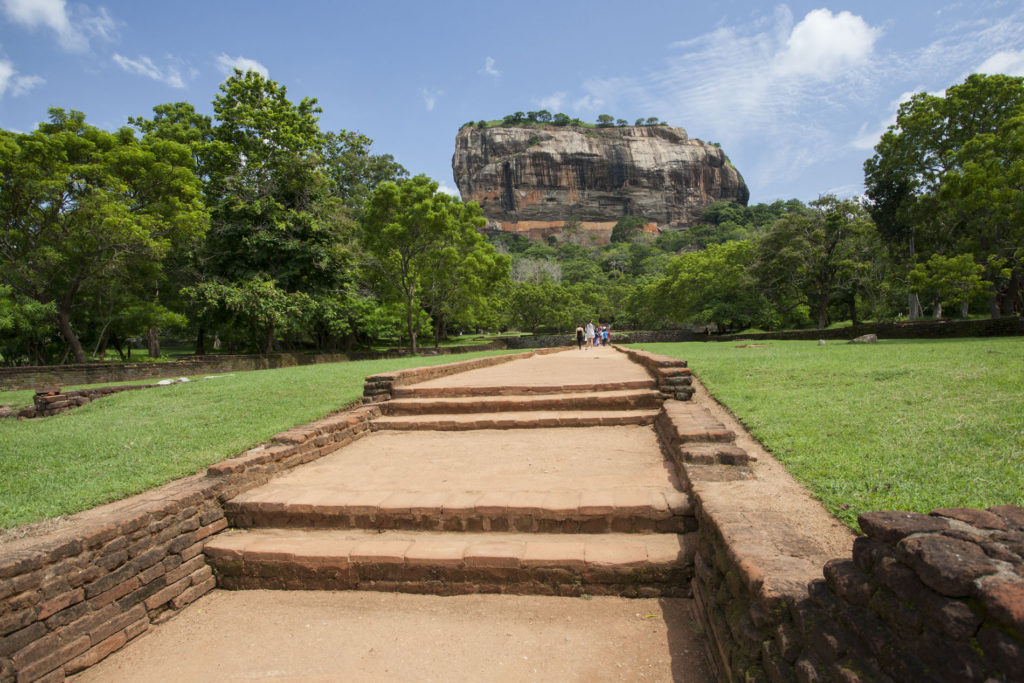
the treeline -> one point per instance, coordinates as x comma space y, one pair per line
545, 117
251, 230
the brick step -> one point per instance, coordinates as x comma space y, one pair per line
619, 510
439, 563
417, 391
606, 400
516, 420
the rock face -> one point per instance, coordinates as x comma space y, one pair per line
531, 180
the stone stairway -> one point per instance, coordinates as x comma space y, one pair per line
472, 483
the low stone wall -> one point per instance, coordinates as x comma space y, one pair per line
673, 377
70, 597
378, 388
39, 376
918, 329
924, 598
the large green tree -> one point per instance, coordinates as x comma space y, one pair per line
80, 206
939, 179
806, 257
411, 236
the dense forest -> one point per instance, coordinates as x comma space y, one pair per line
255, 230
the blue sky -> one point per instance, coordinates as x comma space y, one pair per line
796, 93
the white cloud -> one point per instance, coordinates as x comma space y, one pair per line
449, 190
489, 68
430, 97
23, 84
552, 102
824, 45
1007, 62
868, 137
589, 102
144, 66
15, 84
227, 65
73, 30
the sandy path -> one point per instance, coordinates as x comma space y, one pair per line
365, 636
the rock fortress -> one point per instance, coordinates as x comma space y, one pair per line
529, 180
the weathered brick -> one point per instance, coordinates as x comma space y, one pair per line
947, 565
17, 620
96, 653
90, 621
891, 526
192, 593
104, 631
105, 583
1004, 599
112, 560
22, 563
83, 576
152, 573
68, 615
59, 602
47, 654
193, 550
162, 596
116, 593
142, 593
186, 569
13, 642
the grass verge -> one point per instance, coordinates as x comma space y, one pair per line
902, 425
126, 443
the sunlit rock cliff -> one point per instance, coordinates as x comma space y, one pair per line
530, 180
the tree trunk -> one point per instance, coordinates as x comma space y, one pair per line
153, 341
117, 345
963, 309
853, 308
201, 342
268, 340
64, 322
914, 306
822, 311
937, 311
409, 326
993, 306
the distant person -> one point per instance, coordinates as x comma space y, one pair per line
590, 333
579, 337
604, 335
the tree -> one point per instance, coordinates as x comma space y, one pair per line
627, 228
621, 122
949, 281
804, 256
405, 230
561, 119
353, 171
80, 205
712, 286
936, 165
544, 116
272, 210
605, 120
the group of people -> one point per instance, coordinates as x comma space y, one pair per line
591, 336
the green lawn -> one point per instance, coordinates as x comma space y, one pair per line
129, 442
909, 425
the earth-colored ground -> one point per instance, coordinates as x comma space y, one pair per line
365, 636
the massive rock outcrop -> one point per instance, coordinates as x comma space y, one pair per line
530, 180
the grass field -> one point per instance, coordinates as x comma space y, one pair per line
909, 425
129, 442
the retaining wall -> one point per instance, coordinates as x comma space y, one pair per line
918, 329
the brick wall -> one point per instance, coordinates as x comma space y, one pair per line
935, 597
71, 596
